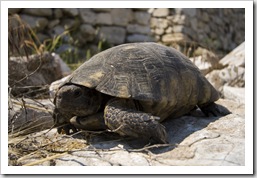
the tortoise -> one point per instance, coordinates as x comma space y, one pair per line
130, 89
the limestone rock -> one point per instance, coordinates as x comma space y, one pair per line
28, 116
104, 19
121, 17
177, 19
65, 70
234, 72
235, 57
174, 37
102, 9
232, 76
114, 35
235, 94
88, 32
206, 60
38, 11
139, 38
194, 141
13, 10
57, 30
33, 73
189, 11
161, 12
142, 18
37, 23
71, 11
214, 78
42, 37
140, 9
53, 23
178, 28
69, 23
159, 23
135, 28
57, 13
159, 31
87, 16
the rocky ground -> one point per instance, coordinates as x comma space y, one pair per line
194, 140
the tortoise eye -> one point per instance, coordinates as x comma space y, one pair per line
77, 93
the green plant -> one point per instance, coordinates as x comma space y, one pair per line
52, 44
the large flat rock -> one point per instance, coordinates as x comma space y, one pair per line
193, 140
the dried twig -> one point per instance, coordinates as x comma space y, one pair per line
46, 159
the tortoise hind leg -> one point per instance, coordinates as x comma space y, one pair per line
213, 109
121, 116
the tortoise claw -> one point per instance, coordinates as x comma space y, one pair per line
66, 129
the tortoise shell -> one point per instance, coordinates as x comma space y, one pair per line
162, 78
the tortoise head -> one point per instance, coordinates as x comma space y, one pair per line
77, 100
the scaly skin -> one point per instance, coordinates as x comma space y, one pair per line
121, 116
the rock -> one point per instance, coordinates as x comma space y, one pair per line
102, 9
57, 13
194, 24
57, 30
178, 28
194, 141
65, 48
189, 11
142, 18
206, 60
36, 23
205, 17
121, 17
34, 74
71, 11
88, 32
139, 38
141, 9
204, 66
13, 10
161, 12
53, 23
29, 116
177, 19
214, 78
150, 11
65, 70
235, 94
173, 38
87, 16
104, 19
42, 37
236, 57
69, 23
168, 30
139, 29
38, 11
113, 35
159, 23
232, 76
159, 31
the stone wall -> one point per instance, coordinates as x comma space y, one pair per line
220, 30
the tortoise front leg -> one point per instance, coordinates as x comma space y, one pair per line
92, 122
121, 116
